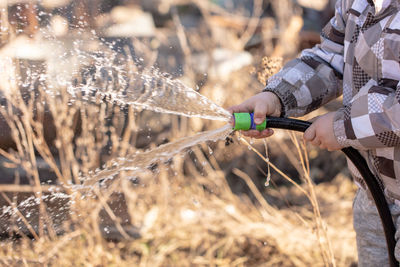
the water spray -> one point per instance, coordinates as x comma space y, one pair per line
245, 121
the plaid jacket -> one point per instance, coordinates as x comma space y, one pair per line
358, 57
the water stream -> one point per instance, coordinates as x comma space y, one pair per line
162, 94
154, 91
137, 162
117, 81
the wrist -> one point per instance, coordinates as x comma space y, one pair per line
339, 128
276, 104
279, 110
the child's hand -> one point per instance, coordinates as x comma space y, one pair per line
321, 134
263, 104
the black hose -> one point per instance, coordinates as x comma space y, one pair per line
370, 180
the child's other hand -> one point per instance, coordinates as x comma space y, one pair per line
321, 134
263, 104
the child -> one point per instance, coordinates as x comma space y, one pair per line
358, 57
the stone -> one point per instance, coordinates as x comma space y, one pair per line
130, 22
223, 62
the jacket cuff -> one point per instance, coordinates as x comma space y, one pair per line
283, 92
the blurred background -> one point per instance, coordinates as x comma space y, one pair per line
208, 206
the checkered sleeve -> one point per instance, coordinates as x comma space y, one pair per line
308, 82
371, 120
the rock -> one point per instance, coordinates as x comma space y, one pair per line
314, 4
157, 6
130, 22
223, 62
50, 4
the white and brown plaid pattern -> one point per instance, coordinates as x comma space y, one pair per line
358, 57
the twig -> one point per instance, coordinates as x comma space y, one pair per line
253, 23
327, 253
277, 169
27, 188
54, 250
107, 208
255, 191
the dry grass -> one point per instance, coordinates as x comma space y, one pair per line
180, 213
196, 220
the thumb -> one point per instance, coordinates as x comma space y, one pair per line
260, 112
310, 133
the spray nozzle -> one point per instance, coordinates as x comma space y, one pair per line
245, 121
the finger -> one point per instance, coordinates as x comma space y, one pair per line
260, 112
232, 121
331, 149
252, 133
233, 109
316, 142
246, 133
267, 133
257, 134
239, 108
314, 119
310, 133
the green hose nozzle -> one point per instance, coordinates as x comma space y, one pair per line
245, 121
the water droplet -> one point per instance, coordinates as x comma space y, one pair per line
239, 136
195, 202
268, 180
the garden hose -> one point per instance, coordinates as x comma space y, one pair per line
245, 121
